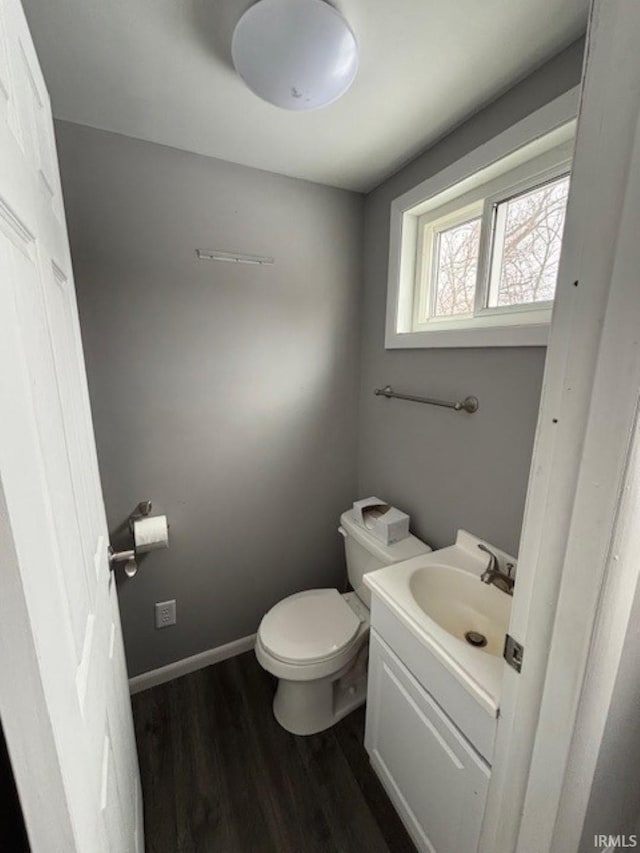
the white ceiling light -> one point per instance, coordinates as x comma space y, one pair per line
296, 54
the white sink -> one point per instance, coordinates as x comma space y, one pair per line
464, 606
439, 596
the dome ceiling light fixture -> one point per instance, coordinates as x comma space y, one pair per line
296, 54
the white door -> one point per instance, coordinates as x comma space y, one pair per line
64, 700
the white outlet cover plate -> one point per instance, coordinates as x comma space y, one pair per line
165, 613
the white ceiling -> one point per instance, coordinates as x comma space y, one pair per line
161, 70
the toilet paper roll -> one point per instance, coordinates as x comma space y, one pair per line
150, 533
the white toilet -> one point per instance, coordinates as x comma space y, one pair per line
316, 642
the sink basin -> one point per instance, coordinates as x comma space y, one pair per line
464, 606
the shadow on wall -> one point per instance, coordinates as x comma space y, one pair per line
225, 393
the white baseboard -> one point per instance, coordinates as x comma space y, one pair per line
183, 667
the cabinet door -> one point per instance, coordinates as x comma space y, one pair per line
435, 778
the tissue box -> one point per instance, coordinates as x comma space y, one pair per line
383, 521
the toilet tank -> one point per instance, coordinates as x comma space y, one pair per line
365, 553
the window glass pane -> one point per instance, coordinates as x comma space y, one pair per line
528, 239
456, 265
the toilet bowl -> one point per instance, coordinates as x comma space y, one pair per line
316, 642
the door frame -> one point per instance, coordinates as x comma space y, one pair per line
568, 571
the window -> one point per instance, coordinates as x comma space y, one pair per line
474, 261
452, 247
527, 237
494, 260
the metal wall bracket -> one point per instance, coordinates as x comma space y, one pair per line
126, 557
513, 652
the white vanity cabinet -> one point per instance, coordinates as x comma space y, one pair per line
435, 778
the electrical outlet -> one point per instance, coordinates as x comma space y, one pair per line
165, 613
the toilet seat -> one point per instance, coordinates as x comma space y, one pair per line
309, 627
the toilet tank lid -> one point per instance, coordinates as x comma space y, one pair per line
403, 550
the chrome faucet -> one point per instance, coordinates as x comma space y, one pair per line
493, 574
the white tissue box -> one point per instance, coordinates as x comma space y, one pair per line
385, 522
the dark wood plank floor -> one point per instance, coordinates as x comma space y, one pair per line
219, 775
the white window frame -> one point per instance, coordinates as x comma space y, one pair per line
488, 254
428, 230
531, 152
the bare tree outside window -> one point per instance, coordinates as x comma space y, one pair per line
456, 268
529, 233
523, 241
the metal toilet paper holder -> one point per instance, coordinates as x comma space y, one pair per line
129, 557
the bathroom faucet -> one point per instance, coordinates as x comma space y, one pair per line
493, 574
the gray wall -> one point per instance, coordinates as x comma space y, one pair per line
225, 393
229, 394
450, 470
